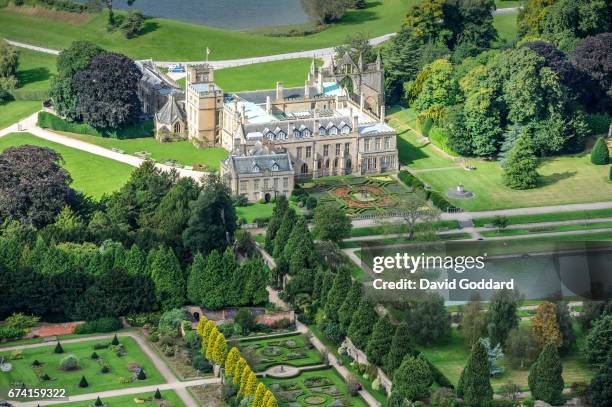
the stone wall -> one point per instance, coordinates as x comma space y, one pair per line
360, 357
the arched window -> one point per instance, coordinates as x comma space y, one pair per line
296, 133
281, 135
304, 169
327, 163
336, 162
177, 127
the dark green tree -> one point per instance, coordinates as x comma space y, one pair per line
141, 375
337, 294
345, 313
601, 385
565, 323
70, 61
520, 170
284, 232
598, 343
157, 395
545, 376
278, 213
401, 345
331, 223
212, 294
362, 323
95, 356
98, 402
600, 155
58, 348
213, 218
413, 379
474, 385
167, 276
115, 340
428, 319
326, 285
196, 282
399, 56
592, 311
502, 316
83, 382
257, 282
379, 343
132, 24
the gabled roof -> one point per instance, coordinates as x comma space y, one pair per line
170, 112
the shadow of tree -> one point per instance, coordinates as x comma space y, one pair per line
149, 26
408, 152
556, 177
28, 76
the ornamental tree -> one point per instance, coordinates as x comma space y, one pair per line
237, 373
601, 385
544, 324
251, 385
521, 165
474, 385
331, 223
83, 382
502, 317
362, 324
201, 325
401, 345
211, 342
600, 155
220, 350
598, 343
282, 205
208, 328
107, 91
260, 393
337, 293
232, 359
473, 322
545, 376
379, 344
413, 378
566, 328
347, 309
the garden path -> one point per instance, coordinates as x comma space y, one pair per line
172, 382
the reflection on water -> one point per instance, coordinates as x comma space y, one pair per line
233, 14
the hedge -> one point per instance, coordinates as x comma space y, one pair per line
441, 202
102, 325
47, 120
410, 180
599, 122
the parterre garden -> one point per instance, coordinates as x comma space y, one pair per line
378, 194
105, 367
295, 350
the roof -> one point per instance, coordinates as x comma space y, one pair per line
170, 112
256, 130
259, 163
375, 128
260, 96
154, 79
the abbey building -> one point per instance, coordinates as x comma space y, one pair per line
333, 125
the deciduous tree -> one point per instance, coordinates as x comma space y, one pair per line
331, 223
502, 316
520, 170
601, 385
544, 325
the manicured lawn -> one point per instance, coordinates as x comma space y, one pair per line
506, 26
259, 210
13, 111
508, 3
22, 368
92, 174
165, 39
129, 400
182, 152
452, 357
399, 240
546, 229
549, 217
296, 389
289, 350
35, 69
396, 228
292, 72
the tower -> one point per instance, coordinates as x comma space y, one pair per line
204, 106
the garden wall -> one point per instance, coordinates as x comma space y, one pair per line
360, 357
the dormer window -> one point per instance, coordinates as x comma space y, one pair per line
333, 131
322, 131
345, 130
296, 133
281, 135
255, 168
306, 133
275, 167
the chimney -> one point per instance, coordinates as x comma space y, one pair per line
320, 82
382, 113
279, 91
306, 90
361, 102
268, 104
316, 127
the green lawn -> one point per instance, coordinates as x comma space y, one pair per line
548, 217
13, 111
508, 3
397, 228
506, 26
92, 174
547, 229
259, 210
129, 401
35, 69
22, 368
182, 152
452, 357
290, 350
165, 39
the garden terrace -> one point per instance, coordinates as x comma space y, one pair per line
359, 196
323, 388
294, 350
121, 361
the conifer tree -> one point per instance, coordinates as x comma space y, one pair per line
201, 325
212, 286
115, 340
278, 213
316, 287
83, 383
601, 385
167, 276
266, 398
196, 285
58, 348
284, 231
220, 351
362, 324
545, 376
474, 384
134, 261
272, 401
227, 272
244, 379
521, 165
337, 293
379, 343
230, 362
258, 278
326, 285
98, 402
600, 155
413, 378
141, 375
157, 395
251, 385
211, 342
544, 324
401, 345
260, 393
95, 356
347, 309
237, 373
208, 328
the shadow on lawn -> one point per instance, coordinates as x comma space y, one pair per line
408, 152
28, 76
556, 177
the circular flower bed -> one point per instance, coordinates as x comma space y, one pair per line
314, 400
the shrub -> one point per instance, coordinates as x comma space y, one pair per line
144, 318
141, 375
410, 180
45, 377
101, 325
70, 362
353, 388
83, 383
170, 322
598, 122
261, 222
311, 202
115, 340
36, 363
105, 369
153, 337
101, 345
157, 395
600, 155
10, 333
441, 202
58, 348
95, 356
142, 129
21, 321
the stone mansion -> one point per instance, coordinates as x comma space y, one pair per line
333, 125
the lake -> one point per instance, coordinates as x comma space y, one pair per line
232, 14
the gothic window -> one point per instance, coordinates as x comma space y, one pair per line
177, 127
308, 152
304, 169
338, 149
326, 150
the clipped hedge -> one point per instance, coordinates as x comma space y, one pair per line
47, 120
410, 180
441, 202
101, 325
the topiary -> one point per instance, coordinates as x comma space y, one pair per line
36, 363
115, 340
83, 383
45, 377
70, 362
157, 395
58, 348
600, 155
105, 369
95, 356
141, 375
98, 402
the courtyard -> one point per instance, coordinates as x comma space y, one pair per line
114, 368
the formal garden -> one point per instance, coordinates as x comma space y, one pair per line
293, 350
375, 195
322, 387
80, 368
168, 398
